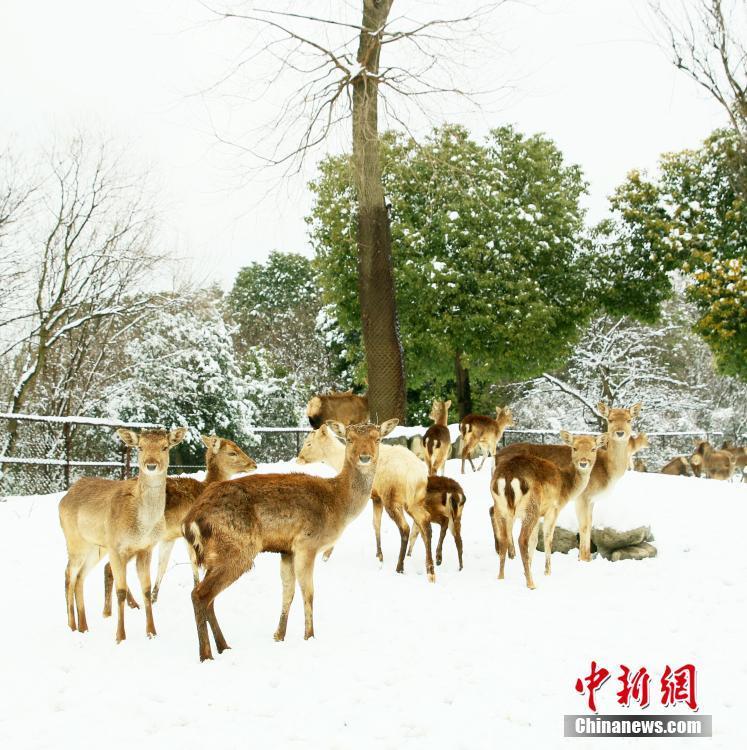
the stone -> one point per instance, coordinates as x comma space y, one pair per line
415, 444
612, 539
634, 552
562, 540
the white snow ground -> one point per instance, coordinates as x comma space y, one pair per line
470, 662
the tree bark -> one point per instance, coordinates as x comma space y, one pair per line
379, 323
463, 391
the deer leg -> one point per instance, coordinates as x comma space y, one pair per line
502, 541
378, 508
485, 454
119, 570
494, 521
422, 519
303, 566
510, 531
89, 562
218, 637
108, 582
396, 514
143, 573
440, 546
548, 528
71, 574
288, 577
583, 514
457, 532
527, 529
164, 554
414, 533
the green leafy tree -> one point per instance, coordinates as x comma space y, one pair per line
691, 218
488, 256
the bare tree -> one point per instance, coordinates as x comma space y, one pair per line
89, 246
707, 40
345, 73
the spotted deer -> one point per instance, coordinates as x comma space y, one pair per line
119, 518
346, 407
437, 439
531, 488
444, 502
295, 515
223, 459
610, 466
399, 485
478, 430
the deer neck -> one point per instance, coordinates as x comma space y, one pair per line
335, 456
151, 495
576, 482
442, 420
618, 454
214, 474
355, 487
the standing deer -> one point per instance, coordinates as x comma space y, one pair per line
223, 459
296, 515
437, 439
444, 502
400, 485
478, 430
740, 457
530, 487
346, 407
119, 518
610, 465
711, 463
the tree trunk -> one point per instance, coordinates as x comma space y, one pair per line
463, 391
380, 327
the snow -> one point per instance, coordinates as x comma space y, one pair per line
470, 662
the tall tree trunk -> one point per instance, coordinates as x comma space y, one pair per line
384, 357
463, 391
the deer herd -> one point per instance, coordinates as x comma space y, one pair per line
227, 520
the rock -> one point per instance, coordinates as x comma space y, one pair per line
456, 448
634, 552
562, 540
402, 440
611, 539
415, 444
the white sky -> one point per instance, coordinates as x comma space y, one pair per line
586, 72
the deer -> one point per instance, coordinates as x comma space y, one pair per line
400, 485
437, 439
711, 463
346, 407
444, 502
679, 466
638, 443
530, 487
119, 518
478, 430
223, 459
740, 457
295, 515
610, 466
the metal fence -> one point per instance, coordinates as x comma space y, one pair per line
52, 452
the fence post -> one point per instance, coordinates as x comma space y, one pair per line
68, 450
298, 445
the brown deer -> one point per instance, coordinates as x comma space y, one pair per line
296, 515
478, 430
708, 462
740, 457
346, 407
223, 459
437, 440
679, 466
399, 485
531, 487
444, 502
610, 465
119, 518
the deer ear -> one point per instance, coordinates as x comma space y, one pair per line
128, 437
566, 437
177, 435
602, 440
212, 442
447, 404
336, 428
635, 410
603, 409
388, 426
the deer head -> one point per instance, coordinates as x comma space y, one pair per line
619, 421
225, 456
153, 448
584, 449
361, 441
